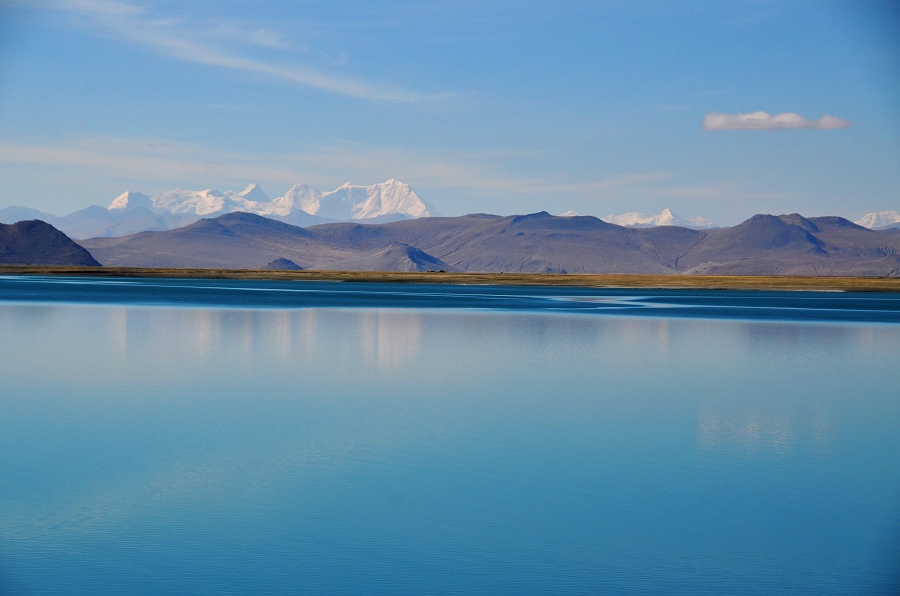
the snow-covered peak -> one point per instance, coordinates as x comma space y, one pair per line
348, 201
569, 214
195, 202
130, 200
879, 219
391, 197
254, 193
666, 218
300, 196
352, 201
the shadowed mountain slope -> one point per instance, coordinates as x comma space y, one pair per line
235, 240
538, 243
535, 243
396, 257
282, 265
794, 245
38, 243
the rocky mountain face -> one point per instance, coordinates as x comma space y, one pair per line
538, 243
35, 242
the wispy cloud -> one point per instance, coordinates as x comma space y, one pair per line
477, 181
723, 192
158, 160
165, 163
764, 121
192, 42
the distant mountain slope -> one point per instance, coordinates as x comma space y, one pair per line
528, 243
98, 221
235, 240
38, 243
539, 242
396, 257
794, 245
15, 214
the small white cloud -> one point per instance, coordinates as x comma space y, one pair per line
766, 121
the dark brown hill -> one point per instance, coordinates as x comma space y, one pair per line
38, 243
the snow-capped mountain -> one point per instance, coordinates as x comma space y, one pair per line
344, 203
131, 200
666, 218
299, 197
180, 201
879, 219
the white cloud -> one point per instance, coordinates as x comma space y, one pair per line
187, 41
765, 121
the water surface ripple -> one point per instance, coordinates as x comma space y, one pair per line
754, 304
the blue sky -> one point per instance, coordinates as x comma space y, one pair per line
501, 107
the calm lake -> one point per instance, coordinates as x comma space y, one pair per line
201, 436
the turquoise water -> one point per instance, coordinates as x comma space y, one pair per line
213, 437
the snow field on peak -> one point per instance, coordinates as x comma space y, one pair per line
879, 219
665, 218
346, 202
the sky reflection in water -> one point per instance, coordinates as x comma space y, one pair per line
208, 450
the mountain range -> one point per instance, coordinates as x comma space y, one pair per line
539, 243
133, 212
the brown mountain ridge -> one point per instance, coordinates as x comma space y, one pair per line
535, 243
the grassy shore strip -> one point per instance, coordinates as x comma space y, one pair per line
718, 282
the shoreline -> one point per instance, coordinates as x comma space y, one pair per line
584, 280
